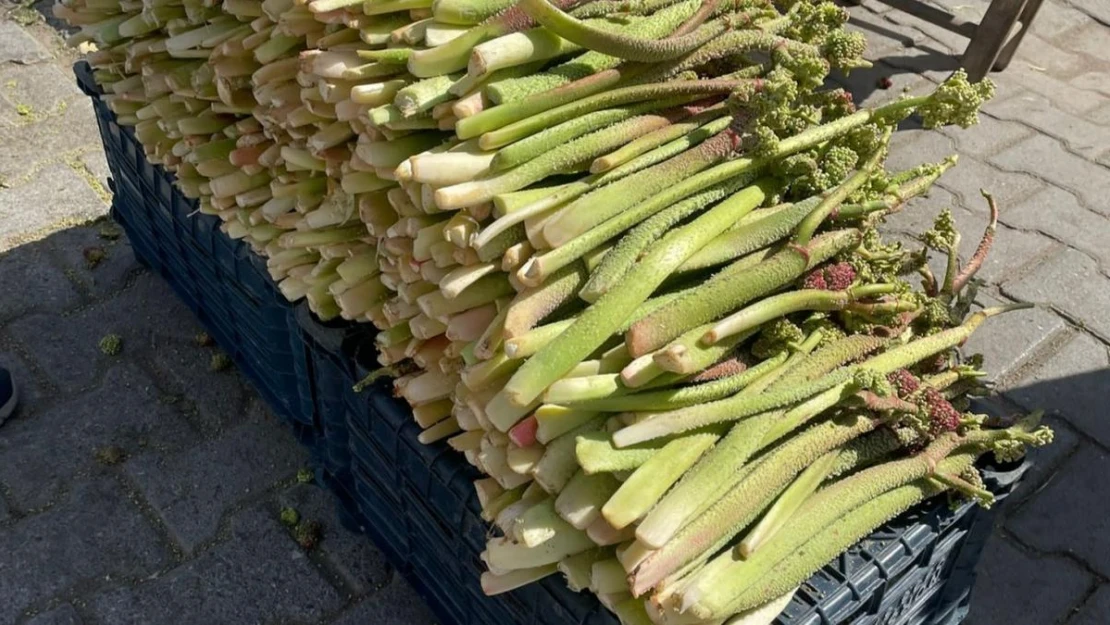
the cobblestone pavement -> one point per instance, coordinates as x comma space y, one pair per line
146, 488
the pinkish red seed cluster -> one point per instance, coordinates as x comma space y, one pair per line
834, 277
943, 417
904, 382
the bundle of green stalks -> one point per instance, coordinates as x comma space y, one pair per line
621, 255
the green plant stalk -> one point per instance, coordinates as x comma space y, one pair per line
833, 506
651, 480
517, 48
535, 339
826, 359
540, 266
532, 305
628, 250
484, 291
581, 499
692, 89
784, 304
505, 555
422, 95
496, 584
832, 387
558, 159
558, 464
751, 236
728, 290
393, 6
538, 524
617, 44
554, 421
578, 568
656, 139
685, 537
531, 147
787, 504
496, 246
688, 354
502, 501
598, 322
467, 12
596, 454
671, 399
608, 577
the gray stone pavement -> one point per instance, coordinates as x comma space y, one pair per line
145, 488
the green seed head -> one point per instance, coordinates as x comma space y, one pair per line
219, 362
955, 101
304, 476
775, 337
844, 49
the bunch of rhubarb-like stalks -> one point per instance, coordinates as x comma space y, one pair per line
621, 254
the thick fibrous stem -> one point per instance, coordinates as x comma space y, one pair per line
600, 320
981, 252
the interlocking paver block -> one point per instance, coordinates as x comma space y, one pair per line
1008, 340
192, 490
1081, 136
30, 93
1069, 281
29, 271
1013, 586
259, 575
40, 455
61, 615
396, 604
1059, 214
1095, 609
971, 175
1028, 75
987, 137
56, 197
73, 247
362, 567
16, 45
1071, 514
25, 147
1071, 383
146, 316
219, 396
96, 534
1047, 158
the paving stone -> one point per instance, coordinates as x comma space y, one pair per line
1016, 587
1092, 39
1039, 55
192, 490
258, 575
1059, 214
97, 164
29, 271
1012, 252
1081, 136
5, 512
1047, 158
1094, 81
361, 566
39, 456
34, 92
109, 274
16, 45
864, 84
26, 147
30, 392
54, 198
1098, 9
65, 614
95, 535
987, 137
920, 212
1070, 281
882, 40
949, 42
1096, 608
910, 148
1007, 341
1071, 384
970, 175
1056, 18
396, 604
145, 316
1071, 513
1026, 76
219, 396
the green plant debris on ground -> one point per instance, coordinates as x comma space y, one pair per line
111, 344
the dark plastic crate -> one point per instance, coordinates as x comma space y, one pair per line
417, 502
